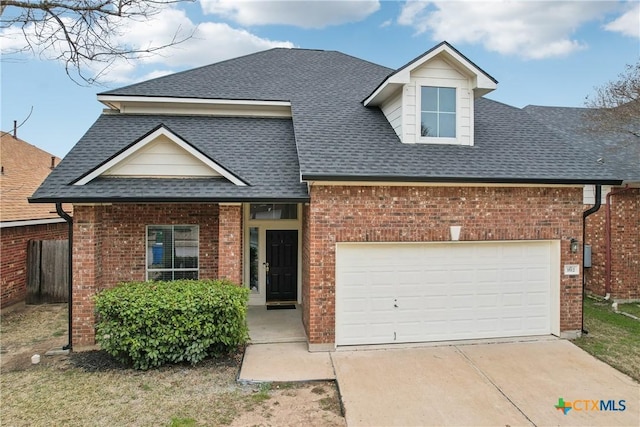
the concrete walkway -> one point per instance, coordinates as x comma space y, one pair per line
285, 362
279, 351
482, 384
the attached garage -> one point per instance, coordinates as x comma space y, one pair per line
417, 292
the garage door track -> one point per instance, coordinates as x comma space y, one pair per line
484, 384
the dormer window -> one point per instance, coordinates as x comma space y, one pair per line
437, 112
430, 100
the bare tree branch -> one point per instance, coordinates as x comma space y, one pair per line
615, 106
21, 123
81, 33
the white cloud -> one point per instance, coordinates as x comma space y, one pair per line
529, 29
211, 42
627, 24
305, 14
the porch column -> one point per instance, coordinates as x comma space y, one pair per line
87, 245
230, 241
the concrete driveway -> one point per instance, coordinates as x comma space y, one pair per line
505, 384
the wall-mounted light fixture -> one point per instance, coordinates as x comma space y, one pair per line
573, 245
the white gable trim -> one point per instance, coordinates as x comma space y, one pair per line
198, 106
136, 147
481, 80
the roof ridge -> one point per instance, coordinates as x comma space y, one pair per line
555, 106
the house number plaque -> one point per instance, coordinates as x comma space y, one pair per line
571, 269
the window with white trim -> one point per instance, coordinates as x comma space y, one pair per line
437, 112
172, 252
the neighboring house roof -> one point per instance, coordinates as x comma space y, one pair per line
617, 152
331, 135
24, 167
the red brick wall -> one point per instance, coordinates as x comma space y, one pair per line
230, 238
109, 248
306, 262
13, 256
87, 271
625, 247
423, 214
594, 276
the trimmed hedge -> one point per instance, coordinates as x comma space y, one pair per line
148, 324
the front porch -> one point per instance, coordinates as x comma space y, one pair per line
275, 326
278, 349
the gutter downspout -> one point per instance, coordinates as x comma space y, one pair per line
607, 232
69, 220
593, 209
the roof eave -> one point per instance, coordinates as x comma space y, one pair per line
165, 199
460, 180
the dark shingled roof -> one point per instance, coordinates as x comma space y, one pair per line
618, 152
260, 151
331, 135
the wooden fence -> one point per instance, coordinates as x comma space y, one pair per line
47, 271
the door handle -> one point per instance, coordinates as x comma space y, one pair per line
395, 303
266, 266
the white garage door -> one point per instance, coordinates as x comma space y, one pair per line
403, 292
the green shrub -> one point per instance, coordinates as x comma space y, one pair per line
148, 324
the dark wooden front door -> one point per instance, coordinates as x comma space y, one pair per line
282, 261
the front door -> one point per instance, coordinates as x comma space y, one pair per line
282, 265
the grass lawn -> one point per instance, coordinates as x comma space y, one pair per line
631, 308
612, 338
91, 389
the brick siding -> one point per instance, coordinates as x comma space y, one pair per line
109, 248
625, 247
230, 252
13, 253
306, 262
424, 214
109, 242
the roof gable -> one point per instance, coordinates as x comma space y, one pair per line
481, 82
160, 153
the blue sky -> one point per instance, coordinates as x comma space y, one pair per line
541, 52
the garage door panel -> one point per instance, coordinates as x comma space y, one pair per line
487, 300
487, 326
408, 304
443, 291
434, 303
356, 304
381, 305
537, 274
460, 276
512, 300
410, 289
487, 275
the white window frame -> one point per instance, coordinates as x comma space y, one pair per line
148, 250
442, 93
430, 139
